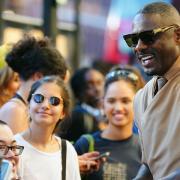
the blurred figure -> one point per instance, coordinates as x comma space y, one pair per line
31, 59
87, 86
9, 149
9, 80
45, 155
118, 139
102, 65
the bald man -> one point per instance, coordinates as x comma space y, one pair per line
9, 150
156, 42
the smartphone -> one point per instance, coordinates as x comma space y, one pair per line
103, 155
5, 170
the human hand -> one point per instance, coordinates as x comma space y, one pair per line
88, 162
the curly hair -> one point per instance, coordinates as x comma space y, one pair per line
30, 55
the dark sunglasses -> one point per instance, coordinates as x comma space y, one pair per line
122, 74
39, 98
147, 37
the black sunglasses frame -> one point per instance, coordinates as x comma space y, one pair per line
53, 100
17, 147
147, 37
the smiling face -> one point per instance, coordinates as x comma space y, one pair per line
118, 103
6, 138
158, 57
45, 114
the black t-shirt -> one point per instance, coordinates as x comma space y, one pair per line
123, 162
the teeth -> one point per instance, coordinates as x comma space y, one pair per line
146, 58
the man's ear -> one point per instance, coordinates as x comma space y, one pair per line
177, 35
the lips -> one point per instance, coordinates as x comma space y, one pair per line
146, 60
44, 113
118, 116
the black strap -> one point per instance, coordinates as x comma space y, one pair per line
63, 154
20, 98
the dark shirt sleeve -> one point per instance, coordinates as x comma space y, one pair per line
81, 146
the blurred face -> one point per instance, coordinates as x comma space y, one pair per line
158, 56
6, 139
14, 83
46, 105
118, 103
95, 83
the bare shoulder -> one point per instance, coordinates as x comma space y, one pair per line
15, 115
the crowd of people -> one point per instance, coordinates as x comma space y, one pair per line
45, 135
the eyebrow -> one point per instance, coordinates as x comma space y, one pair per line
14, 141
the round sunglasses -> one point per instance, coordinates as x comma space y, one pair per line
53, 100
147, 37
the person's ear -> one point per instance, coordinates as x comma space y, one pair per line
67, 76
36, 76
177, 35
62, 115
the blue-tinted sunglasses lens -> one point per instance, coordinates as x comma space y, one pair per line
38, 98
54, 101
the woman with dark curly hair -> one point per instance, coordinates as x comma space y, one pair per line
31, 59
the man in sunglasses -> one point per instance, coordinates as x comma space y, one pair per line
10, 151
156, 43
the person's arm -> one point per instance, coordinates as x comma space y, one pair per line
87, 162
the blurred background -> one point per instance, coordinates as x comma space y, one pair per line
84, 31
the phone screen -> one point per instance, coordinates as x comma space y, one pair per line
103, 155
5, 170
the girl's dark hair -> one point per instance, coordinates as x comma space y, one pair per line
30, 55
127, 73
64, 91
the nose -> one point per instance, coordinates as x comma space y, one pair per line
9, 154
45, 103
140, 46
99, 88
119, 106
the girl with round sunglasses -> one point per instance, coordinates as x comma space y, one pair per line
123, 162
32, 59
42, 157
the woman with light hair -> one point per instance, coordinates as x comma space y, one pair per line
9, 80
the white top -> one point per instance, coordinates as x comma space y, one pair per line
38, 165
